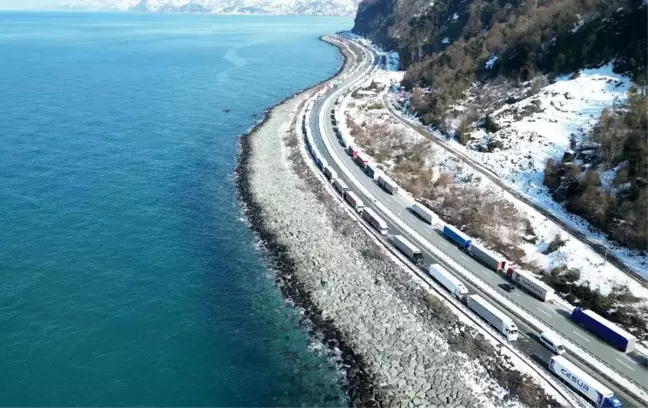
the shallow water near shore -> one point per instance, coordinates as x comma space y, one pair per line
128, 278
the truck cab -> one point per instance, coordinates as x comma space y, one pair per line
512, 332
612, 402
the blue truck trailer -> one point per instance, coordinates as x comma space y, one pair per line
605, 329
457, 236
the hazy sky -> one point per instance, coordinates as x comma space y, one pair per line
28, 4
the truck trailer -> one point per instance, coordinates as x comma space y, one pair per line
582, 382
500, 321
532, 285
330, 173
353, 199
410, 250
387, 184
361, 160
375, 221
448, 281
493, 261
424, 213
340, 186
352, 150
457, 236
321, 163
370, 170
605, 329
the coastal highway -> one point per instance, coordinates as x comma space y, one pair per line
551, 314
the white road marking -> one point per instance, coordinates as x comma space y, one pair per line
581, 337
542, 311
625, 364
464, 256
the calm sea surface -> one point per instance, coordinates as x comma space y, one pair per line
127, 275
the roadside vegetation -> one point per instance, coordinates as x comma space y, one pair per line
490, 218
619, 143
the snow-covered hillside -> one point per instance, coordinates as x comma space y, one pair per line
272, 7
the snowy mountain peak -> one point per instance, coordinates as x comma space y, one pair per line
273, 7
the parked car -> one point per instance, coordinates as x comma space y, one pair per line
507, 287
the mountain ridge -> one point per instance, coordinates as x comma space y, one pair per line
236, 7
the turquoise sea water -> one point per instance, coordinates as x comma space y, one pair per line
127, 276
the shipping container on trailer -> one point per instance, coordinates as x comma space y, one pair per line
387, 184
330, 173
493, 261
375, 221
532, 285
448, 281
353, 199
605, 329
340, 186
406, 247
498, 319
370, 170
457, 236
361, 160
424, 213
582, 382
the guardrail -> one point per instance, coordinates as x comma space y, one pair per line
566, 393
627, 384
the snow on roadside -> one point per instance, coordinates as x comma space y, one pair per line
595, 270
567, 110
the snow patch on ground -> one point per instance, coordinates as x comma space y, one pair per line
547, 139
491, 61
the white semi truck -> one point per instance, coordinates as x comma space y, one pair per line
532, 285
424, 213
370, 216
500, 321
448, 281
410, 250
387, 184
353, 199
582, 382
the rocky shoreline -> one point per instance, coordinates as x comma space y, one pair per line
394, 336
358, 383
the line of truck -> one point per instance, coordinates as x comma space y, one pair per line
604, 329
594, 391
495, 317
601, 327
